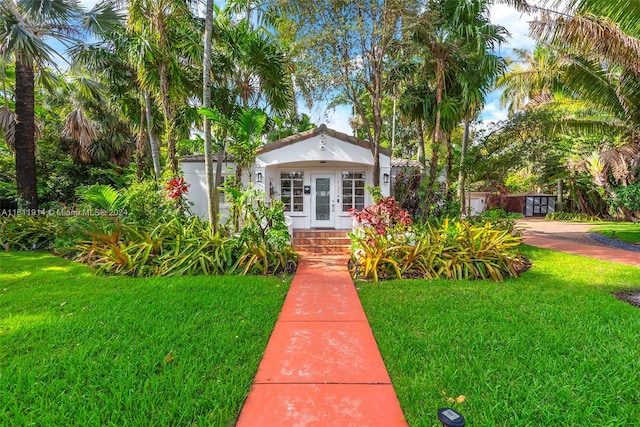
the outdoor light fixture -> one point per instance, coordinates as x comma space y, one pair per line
259, 177
385, 178
345, 174
450, 418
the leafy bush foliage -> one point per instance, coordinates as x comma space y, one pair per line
629, 197
385, 214
140, 232
176, 248
572, 216
25, 232
498, 218
385, 249
262, 232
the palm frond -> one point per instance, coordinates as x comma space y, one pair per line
103, 19
8, 126
595, 36
78, 128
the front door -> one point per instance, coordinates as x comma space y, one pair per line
323, 201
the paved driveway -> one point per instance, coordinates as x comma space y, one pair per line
574, 231
572, 237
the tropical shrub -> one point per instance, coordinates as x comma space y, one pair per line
629, 197
385, 245
28, 232
259, 244
572, 216
498, 218
262, 232
179, 247
385, 214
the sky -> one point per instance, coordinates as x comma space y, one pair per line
515, 22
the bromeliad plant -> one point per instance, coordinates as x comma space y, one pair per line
386, 245
180, 247
262, 232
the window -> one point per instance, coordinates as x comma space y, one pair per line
352, 191
292, 191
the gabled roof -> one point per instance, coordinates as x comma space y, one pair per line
322, 129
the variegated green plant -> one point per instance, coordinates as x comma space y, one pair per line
449, 249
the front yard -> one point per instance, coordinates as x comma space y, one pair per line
554, 347
79, 349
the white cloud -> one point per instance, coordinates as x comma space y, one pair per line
516, 23
339, 120
492, 112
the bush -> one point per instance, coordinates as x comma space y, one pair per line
26, 232
629, 197
450, 249
262, 232
179, 247
572, 216
498, 218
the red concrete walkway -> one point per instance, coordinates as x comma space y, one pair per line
602, 252
322, 366
572, 238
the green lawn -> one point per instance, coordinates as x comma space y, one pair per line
625, 231
551, 348
76, 349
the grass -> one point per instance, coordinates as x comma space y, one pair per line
76, 349
625, 231
551, 348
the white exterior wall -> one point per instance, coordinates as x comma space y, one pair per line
320, 154
477, 201
195, 176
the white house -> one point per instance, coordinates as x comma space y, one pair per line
319, 175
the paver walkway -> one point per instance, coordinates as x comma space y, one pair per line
573, 238
322, 366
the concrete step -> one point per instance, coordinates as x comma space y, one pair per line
321, 241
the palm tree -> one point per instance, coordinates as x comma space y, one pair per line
25, 29
462, 33
165, 46
477, 80
533, 78
600, 45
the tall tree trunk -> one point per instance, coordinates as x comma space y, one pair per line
560, 204
448, 166
212, 200
141, 139
422, 156
169, 119
375, 144
216, 193
153, 142
25, 139
462, 172
437, 132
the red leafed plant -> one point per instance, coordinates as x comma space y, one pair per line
384, 215
176, 187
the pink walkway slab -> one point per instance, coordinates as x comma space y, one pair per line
322, 366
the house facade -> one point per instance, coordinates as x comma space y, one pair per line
319, 175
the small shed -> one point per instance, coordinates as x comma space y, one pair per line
476, 202
531, 204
